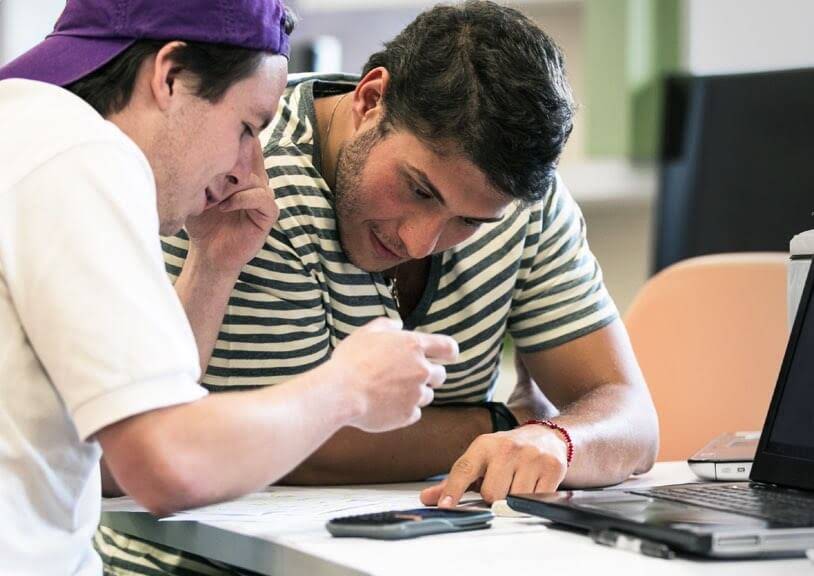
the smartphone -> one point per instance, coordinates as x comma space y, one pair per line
727, 457
398, 524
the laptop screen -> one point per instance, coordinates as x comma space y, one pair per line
792, 432
789, 434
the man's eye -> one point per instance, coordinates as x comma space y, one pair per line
469, 223
247, 130
421, 194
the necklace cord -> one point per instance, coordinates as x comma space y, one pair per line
328, 135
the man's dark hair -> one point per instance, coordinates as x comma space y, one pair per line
216, 68
487, 79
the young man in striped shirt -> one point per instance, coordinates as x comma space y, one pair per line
427, 190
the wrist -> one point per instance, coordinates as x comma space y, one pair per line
203, 269
561, 433
349, 403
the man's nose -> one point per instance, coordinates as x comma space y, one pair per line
249, 159
421, 238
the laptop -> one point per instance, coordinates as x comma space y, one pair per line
772, 514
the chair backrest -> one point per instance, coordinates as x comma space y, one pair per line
709, 334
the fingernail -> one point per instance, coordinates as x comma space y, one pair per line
446, 502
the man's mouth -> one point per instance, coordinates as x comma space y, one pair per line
381, 248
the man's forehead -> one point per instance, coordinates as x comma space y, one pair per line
449, 155
263, 88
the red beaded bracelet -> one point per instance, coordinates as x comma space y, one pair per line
561, 430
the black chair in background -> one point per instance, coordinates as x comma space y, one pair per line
737, 164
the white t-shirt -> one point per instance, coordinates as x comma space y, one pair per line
91, 331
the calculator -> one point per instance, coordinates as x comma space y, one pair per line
399, 524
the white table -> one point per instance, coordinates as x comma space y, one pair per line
291, 539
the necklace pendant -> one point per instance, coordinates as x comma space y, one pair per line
394, 292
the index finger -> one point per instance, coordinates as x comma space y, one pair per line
466, 470
438, 347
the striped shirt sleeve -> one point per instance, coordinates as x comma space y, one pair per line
275, 325
561, 295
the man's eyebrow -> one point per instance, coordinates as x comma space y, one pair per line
265, 119
427, 184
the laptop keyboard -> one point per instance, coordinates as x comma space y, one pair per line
765, 502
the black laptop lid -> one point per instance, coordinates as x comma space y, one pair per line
785, 455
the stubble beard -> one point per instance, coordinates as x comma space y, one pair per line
170, 219
168, 190
350, 164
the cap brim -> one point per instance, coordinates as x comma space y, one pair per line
62, 60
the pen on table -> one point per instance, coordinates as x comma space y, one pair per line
622, 541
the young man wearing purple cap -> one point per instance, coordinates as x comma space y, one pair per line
135, 117
427, 190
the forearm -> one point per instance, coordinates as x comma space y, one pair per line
615, 434
604, 404
226, 444
415, 453
604, 408
204, 293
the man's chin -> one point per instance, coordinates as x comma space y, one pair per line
371, 267
367, 265
170, 228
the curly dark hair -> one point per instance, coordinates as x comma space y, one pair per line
486, 79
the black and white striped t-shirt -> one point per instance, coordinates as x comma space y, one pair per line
531, 275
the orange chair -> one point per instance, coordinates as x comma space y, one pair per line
709, 334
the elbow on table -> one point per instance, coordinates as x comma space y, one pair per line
166, 493
158, 475
649, 436
166, 489
648, 457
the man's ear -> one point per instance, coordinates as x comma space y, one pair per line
164, 75
368, 98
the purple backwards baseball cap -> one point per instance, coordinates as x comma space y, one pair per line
91, 33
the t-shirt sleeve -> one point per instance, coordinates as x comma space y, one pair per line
81, 256
560, 294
